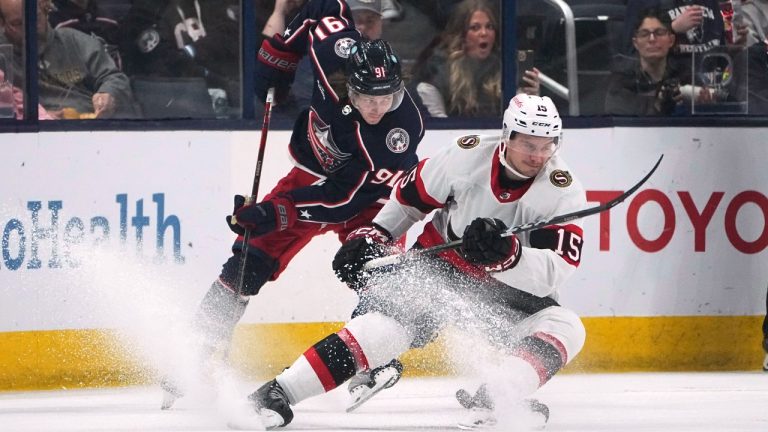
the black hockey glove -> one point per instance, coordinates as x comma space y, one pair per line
277, 214
483, 244
274, 68
361, 246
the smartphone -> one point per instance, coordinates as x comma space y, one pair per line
524, 63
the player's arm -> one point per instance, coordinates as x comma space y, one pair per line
317, 19
279, 55
426, 187
549, 255
552, 257
341, 196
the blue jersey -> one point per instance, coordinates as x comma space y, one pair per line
359, 162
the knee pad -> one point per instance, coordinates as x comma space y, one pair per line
380, 337
259, 268
563, 327
423, 328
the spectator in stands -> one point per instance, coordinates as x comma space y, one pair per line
698, 24
13, 95
459, 73
649, 86
185, 38
77, 78
756, 19
84, 15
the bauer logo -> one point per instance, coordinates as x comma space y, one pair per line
46, 234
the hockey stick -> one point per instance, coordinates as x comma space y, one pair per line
255, 187
395, 259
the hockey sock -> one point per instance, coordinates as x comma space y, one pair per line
219, 312
545, 353
323, 367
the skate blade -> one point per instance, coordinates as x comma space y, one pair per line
168, 400
476, 426
478, 418
253, 422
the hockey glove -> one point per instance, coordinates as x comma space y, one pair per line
361, 246
483, 244
277, 214
275, 68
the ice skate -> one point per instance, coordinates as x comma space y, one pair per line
365, 385
171, 393
481, 410
272, 405
480, 406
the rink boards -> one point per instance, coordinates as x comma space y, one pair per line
125, 232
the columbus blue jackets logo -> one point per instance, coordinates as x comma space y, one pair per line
342, 47
561, 178
468, 141
398, 140
327, 153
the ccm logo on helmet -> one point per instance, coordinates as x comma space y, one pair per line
541, 124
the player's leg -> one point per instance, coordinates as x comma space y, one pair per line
222, 307
552, 338
365, 342
367, 383
224, 304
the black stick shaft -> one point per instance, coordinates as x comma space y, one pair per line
255, 187
393, 259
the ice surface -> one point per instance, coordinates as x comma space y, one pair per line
645, 402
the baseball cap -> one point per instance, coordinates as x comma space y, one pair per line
371, 5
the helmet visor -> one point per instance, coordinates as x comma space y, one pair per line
385, 103
533, 146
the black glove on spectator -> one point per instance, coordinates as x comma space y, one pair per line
277, 214
275, 68
361, 246
482, 243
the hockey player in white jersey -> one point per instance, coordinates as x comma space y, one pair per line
478, 187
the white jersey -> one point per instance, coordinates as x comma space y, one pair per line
464, 182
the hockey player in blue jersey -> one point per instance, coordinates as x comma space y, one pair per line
348, 151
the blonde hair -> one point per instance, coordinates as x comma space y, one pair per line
465, 92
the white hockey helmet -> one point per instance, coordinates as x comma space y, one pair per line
530, 115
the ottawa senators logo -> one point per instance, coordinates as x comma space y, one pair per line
468, 141
561, 178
